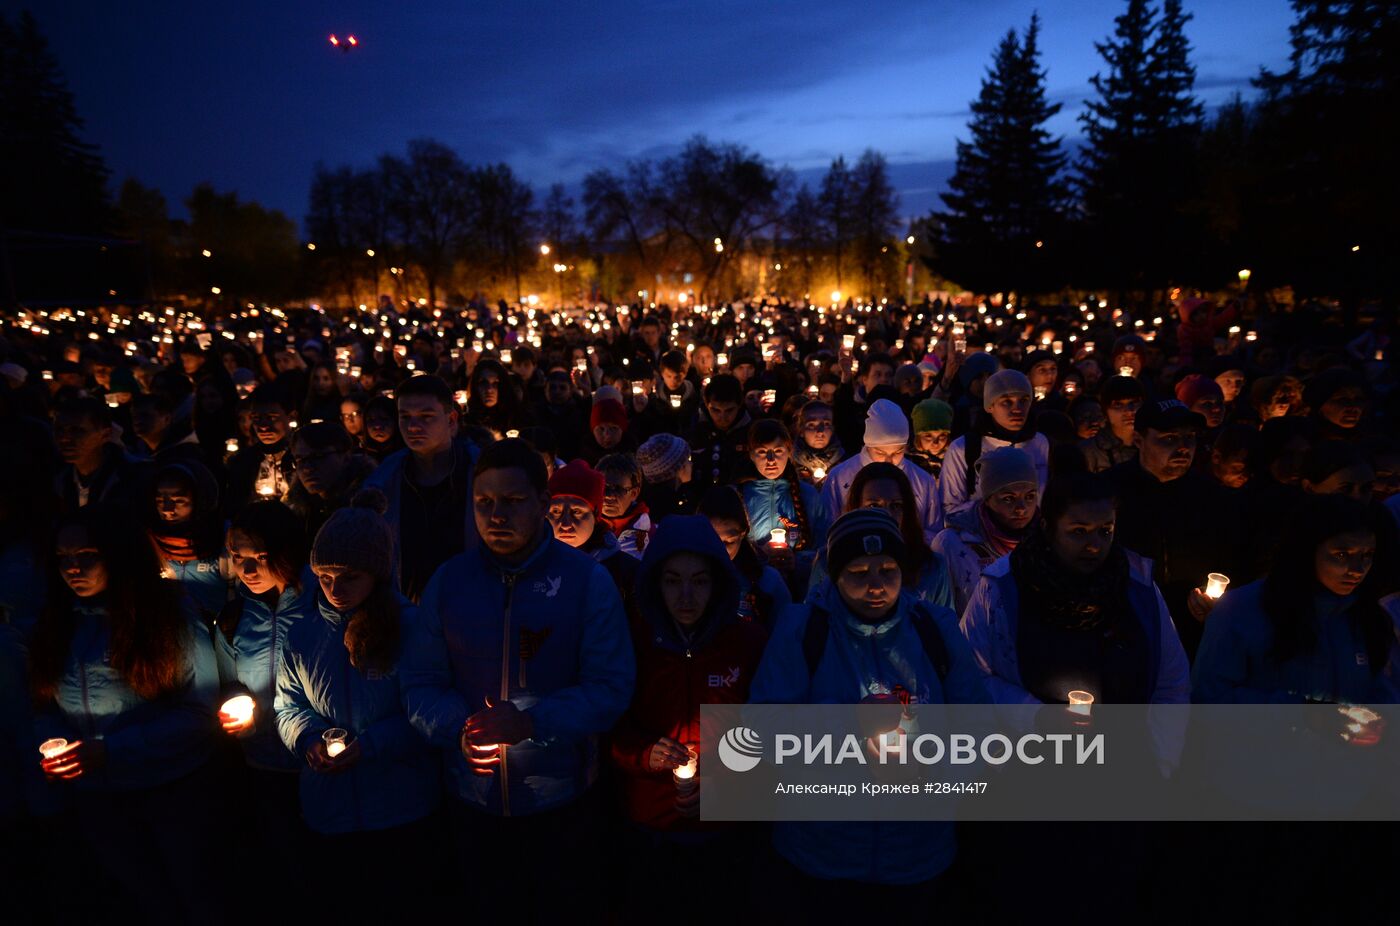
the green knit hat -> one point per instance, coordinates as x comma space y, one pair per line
933, 415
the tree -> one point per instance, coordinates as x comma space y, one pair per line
622, 206
715, 198
53, 180
1137, 166
142, 215
557, 222
252, 249
836, 204
501, 229
873, 218
349, 216
1007, 195
430, 207
802, 245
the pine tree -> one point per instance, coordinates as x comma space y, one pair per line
873, 218
1138, 165
53, 180
837, 202
1007, 194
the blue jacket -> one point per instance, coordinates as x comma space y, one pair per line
204, 581
149, 743
860, 660
249, 662
396, 779
22, 588
18, 760
771, 584
551, 637
768, 501
1234, 664
386, 479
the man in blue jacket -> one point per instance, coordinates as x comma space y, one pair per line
518, 658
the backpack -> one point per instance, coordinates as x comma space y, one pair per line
814, 637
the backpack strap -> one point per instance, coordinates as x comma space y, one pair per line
814, 638
972, 452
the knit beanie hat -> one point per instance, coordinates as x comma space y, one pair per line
1004, 382
606, 393
578, 480
862, 532
976, 365
933, 415
358, 537
1003, 467
662, 456
608, 411
1196, 387
885, 424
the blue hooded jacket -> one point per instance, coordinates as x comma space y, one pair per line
859, 660
204, 581
148, 743
396, 779
770, 505
250, 660
548, 635
386, 478
1235, 666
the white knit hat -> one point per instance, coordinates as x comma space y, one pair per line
885, 424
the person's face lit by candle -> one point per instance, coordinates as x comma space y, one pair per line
1230, 383
352, 417
620, 493
687, 581
509, 511
1129, 359
1343, 562
770, 459
731, 534
488, 388
869, 585
252, 566
1231, 471
426, 424
1012, 507
345, 589
674, 380
80, 563
572, 519
1082, 537
886, 453
703, 360
1044, 374
817, 426
1010, 411
1166, 455
174, 500
933, 443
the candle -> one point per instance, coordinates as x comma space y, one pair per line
50, 748
239, 707
512, 433
1041, 391
636, 388
778, 538
848, 341
684, 775
1088, 347
266, 489
334, 738
1363, 726
1216, 583
813, 391
1058, 347
1380, 355
675, 401
231, 445
770, 396
505, 355
819, 473
460, 396
581, 365
1251, 336
112, 402
1071, 387
722, 359
1080, 702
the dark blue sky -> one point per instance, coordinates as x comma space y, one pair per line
250, 95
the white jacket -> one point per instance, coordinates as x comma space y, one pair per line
838, 483
952, 482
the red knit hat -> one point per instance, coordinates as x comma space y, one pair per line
1196, 387
578, 480
608, 411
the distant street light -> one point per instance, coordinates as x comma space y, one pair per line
207, 253
311, 245
369, 252
544, 250
909, 240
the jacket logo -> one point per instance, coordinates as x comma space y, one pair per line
531, 641
379, 675
725, 681
550, 587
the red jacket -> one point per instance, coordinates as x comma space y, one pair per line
671, 686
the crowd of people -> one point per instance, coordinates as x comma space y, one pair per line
354, 614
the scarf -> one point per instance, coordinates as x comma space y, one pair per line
987, 425
1066, 600
176, 548
997, 541
618, 525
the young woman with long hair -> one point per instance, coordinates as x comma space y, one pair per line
127, 677
762, 592
188, 529
777, 500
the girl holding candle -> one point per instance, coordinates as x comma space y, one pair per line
267, 551
778, 500
816, 449
338, 669
885, 486
687, 634
128, 677
867, 637
1321, 626
492, 401
189, 532
762, 592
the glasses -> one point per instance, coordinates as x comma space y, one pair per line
616, 488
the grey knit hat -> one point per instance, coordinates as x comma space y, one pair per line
662, 456
1004, 382
358, 537
1003, 467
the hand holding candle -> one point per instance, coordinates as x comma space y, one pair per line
236, 714
1081, 703
68, 761
1216, 583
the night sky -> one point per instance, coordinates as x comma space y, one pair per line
251, 95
